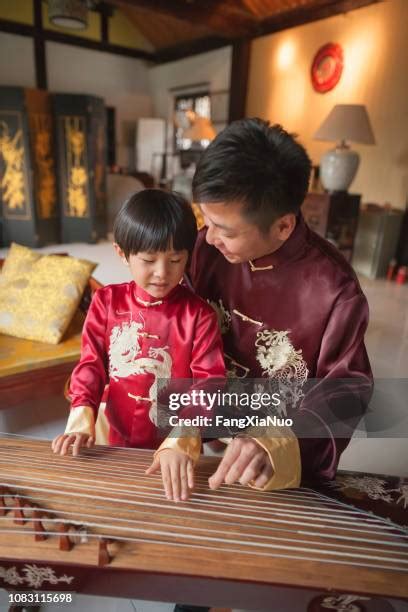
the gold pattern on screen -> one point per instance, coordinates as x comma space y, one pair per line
45, 187
77, 176
12, 175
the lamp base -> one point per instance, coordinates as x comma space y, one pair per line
338, 167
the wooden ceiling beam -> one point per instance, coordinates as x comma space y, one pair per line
228, 19
195, 47
321, 9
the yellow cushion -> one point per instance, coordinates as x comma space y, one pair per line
39, 294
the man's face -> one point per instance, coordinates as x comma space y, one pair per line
237, 238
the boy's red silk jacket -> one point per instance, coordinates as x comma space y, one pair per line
130, 341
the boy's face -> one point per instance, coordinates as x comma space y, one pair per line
156, 272
238, 239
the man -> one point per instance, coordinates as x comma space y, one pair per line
289, 305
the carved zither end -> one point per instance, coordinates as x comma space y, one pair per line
64, 541
3, 507
19, 517
38, 526
103, 553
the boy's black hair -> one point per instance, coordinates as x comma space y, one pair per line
259, 165
155, 220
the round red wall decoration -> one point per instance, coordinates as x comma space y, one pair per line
327, 67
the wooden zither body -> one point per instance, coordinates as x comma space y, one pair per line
97, 524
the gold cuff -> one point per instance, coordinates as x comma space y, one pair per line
102, 426
81, 420
282, 447
184, 440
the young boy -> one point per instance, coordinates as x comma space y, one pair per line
140, 332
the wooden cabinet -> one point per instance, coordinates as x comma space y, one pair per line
28, 187
81, 142
335, 217
376, 240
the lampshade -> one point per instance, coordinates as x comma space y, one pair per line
347, 122
68, 13
339, 166
201, 129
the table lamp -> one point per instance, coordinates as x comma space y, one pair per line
201, 128
200, 132
345, 122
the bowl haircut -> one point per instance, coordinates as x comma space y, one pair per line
154, 220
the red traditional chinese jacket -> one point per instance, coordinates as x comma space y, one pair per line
130, 341
293, 314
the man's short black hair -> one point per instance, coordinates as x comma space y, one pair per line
259, 165
155, 220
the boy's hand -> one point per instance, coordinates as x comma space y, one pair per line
177, 473
62, 443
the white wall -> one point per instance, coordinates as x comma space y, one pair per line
213, 67
17, 60
121, 81
374, 41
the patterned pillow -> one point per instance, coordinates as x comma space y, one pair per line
39, 294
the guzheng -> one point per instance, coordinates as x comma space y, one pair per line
97, 524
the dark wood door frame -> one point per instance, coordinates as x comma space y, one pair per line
241, 52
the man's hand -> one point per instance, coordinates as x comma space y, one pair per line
244, 461
62, 443
177, 471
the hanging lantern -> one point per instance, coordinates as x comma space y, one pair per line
71, 14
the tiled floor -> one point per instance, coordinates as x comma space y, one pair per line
387, 345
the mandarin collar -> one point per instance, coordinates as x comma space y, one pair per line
293, 248
145, 299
